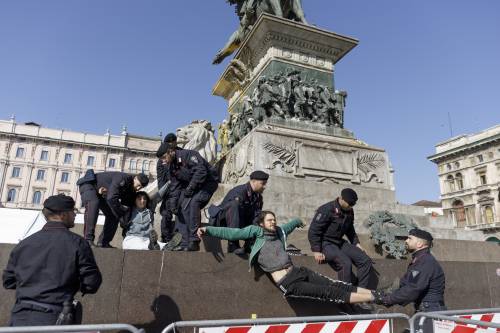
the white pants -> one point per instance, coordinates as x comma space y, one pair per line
137, 243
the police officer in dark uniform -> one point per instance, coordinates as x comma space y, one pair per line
331, 222
111, 192
167, 207
240, 208
49, 267
424, 281
192, 183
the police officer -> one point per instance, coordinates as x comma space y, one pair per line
167, 207
331, 222
240, 208
109, 192
424, 281
192, 183
49, 267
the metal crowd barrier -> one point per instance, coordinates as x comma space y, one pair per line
72, 328
447, 315
285, 320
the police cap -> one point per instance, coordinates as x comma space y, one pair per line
349, 196
59, 203
259, 175
143, 179
164, 147
170, 137
422, 234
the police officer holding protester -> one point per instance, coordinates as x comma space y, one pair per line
330, 224
111, 192
241, 207
49, 267
193, 181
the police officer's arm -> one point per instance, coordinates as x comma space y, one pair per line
174, 193
113, 196
162, 173
351, 234
257, 211
9, 275
317, 228
89, 274
200, 171
417, 282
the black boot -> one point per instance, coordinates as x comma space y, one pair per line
153, 241
232, 246
193, 247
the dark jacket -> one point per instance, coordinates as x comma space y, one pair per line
249, 202
51, 266
424, 281
189, 170
330, 224
121, 191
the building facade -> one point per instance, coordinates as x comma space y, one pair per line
469, 179
37, 162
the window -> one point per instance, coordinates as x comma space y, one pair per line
16, 172
459, 213
488, 214
11, 195
65, 177
37, 197
133, 165
479, 158
145, 166
90, 161
451, 183
482, 178
457, 165
67, 158
40, 175
460, 181
20, 152
448, 166
111, 163
44, 156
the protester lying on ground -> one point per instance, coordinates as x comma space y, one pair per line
268, 251
138, 226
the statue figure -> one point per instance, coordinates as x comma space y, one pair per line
223, 136
340, 97
269, 98
249, 11
326, 106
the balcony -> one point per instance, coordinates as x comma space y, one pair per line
484, 226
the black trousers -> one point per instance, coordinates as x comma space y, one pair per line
93, 202
167, 226
236, 217
303, 282
24, 314
342, 257
189, 218
428, 326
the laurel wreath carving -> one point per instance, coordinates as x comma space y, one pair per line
370, 162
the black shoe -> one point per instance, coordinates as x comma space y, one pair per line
193, 247
239, 251
173, 243
91, 243
232, 246
153, 241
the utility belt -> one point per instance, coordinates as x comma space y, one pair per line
70, 313
427, 306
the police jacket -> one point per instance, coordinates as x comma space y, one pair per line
51, 266
189, 170
121, 191
424, 281
249, 202
330, 224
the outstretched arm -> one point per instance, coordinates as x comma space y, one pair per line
230, 233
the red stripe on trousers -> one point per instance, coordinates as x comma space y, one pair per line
243, 329
313, 328
376, 326
277, 329
346, 327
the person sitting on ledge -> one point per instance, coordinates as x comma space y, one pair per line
268, 251
138, 227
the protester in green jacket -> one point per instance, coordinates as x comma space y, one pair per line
269, 252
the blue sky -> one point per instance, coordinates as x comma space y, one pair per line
89, 65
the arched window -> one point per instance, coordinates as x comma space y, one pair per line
459, 212
488, 214
133, 165
145, 166
37, 197
460, 181
11, 195
451, 183
457, 165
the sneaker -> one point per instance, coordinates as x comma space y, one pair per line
173, 243
153, 241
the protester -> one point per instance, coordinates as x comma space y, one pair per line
49, 267
268, 252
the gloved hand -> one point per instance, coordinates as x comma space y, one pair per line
378, 297
188, 192
175, 210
